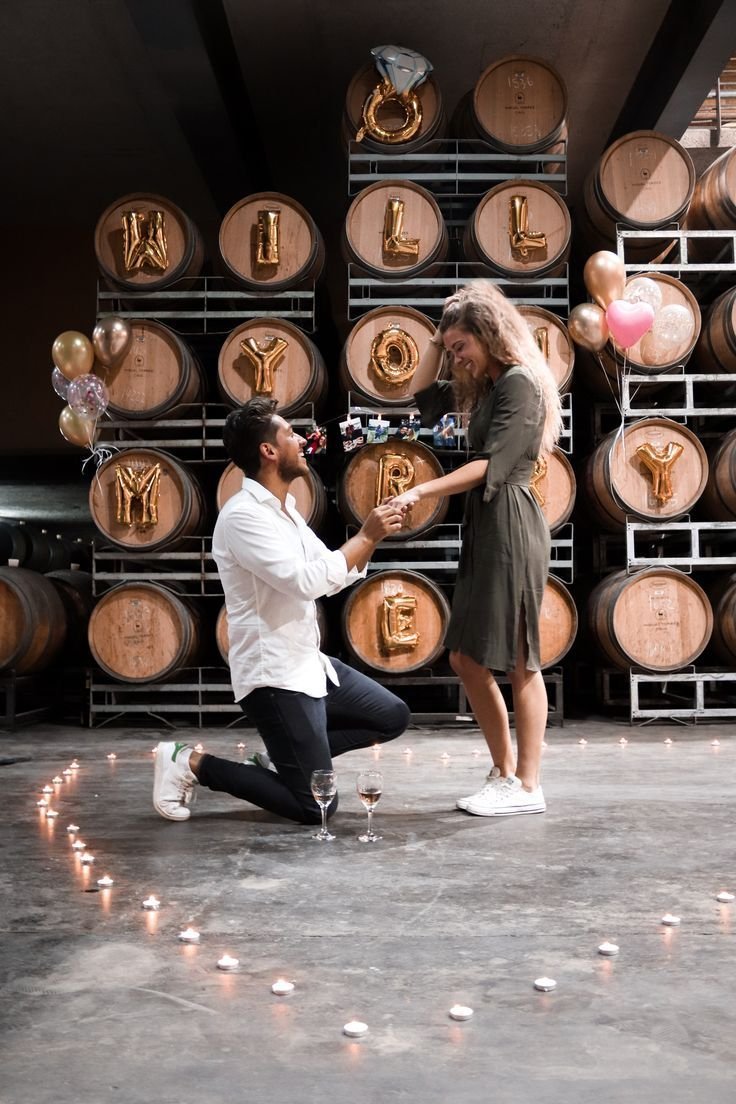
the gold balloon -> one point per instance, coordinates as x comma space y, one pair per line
588, 327
111, 339
605, 277
72, 353
77, 430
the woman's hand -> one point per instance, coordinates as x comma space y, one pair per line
405, 501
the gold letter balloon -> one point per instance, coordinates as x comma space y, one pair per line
588, 327
111, 340
77, 430
605, 277
72, 353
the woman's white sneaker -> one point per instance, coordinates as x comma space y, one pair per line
493, 779
506, 798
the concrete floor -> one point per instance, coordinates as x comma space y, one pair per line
100, 1001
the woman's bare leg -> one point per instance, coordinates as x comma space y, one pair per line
530, 715
489, 707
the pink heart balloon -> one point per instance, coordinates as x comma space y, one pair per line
628, 321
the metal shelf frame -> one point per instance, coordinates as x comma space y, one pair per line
208, 305
682, 266
688, 407
699, 534
713, 695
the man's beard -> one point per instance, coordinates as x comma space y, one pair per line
290, 470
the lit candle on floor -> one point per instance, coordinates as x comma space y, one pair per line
67, 771
460, 1012
476, 752
282, 987
199, 748
227, 962
47, 790
51, 813
715, 743
623, 741
583, 742
87, 858
608, 950
74, 765
72, 828
57, 779
42, 802
111, 756
545, 984
444, 755
724, 897
189, 935
355, 1029
240, 746
670, 921
78, 845
151, 904
105, 881
668, 742
408, 751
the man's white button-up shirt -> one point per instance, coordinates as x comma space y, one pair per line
272, 568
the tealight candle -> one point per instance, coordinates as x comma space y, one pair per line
112, 756
87, 858
67, 771
240, 746
725, 897
545, 984
42, 802
715, 743
105, 881
355, 1029
51, 813
408, 751
667, 741
151, 904
47, 790
57, 779
583, 742
189, 935
72, 828
475, 752
608, 950
74, 765
623, 741
460, 1012
199, 748
78, 845
227, 962
444, 755
670, 921
282, 987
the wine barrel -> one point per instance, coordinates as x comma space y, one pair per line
558, 623
158, 373
503, 232
142, 632
554, 487
376, 472
391, 116
395, 621
381, 354
223, 639
723, 601
713, 207
716, 348
13, 543
310, 494
405, 214
619, 480
74, 588
657, 618
518, 106
270, 243
719, 497
163, 246
283, 365
32, 621
644, 180
553, 338
169, 507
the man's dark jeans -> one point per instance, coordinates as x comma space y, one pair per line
304, 734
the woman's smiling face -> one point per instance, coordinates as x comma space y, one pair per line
467, 352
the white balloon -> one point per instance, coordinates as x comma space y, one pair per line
671, 334
643, 290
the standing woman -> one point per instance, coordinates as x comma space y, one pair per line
500, 376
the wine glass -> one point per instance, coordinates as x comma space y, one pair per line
369, 786
324, 788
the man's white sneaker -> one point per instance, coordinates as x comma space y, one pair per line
173, 782
507, 798
493, 779
260, 759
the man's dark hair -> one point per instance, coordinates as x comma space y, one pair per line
245, 431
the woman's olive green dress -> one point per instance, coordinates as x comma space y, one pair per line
505, 551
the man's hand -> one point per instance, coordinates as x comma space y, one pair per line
382, 522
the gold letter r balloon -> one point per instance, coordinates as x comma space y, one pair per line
72, 353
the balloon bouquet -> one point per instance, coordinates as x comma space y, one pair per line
622, 313
74, 381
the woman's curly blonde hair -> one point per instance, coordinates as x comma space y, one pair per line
483, 310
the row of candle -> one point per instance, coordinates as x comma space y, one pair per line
281, 987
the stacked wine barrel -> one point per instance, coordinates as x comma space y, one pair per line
153, 506
651, 468
520, 229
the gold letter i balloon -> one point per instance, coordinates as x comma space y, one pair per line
72, 353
